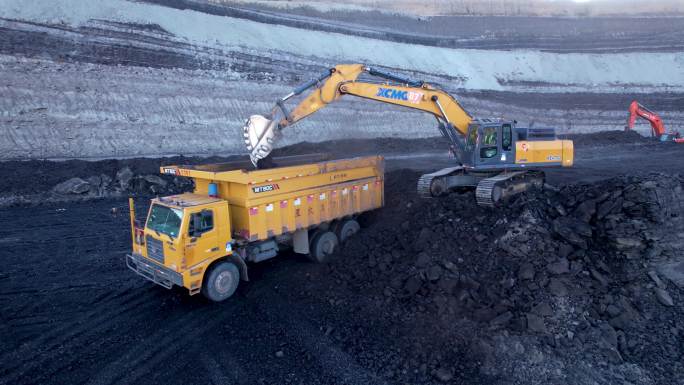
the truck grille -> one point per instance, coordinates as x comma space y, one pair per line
155, 249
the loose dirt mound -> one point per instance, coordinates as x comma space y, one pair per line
554, 287
607, 138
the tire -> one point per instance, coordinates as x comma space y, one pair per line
346, 229
322, 246
221, 281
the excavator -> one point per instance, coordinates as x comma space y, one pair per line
657, 127
494, 156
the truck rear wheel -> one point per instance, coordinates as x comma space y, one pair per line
221, 281
322, 246
346, 229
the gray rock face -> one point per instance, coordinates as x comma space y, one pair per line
72, 186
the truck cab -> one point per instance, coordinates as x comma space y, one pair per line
182, 236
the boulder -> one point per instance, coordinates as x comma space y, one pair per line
560, 266
434, 273
124, 177
535, 323
628, 243
664, 297
557, 288
674, 272
502, 319
526, 271
443, 374
573, 230
586, 210
542, 309
74, 186
412, 285
656, 279
422, 260
155, 180
599, 277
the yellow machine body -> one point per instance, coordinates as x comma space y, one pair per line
544, 152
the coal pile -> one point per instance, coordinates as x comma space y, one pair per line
557, 286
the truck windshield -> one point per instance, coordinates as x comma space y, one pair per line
165, 220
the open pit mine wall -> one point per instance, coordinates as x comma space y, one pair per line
117, 79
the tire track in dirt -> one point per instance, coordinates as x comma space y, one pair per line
144, 358
339, 364
128, 306
228, 372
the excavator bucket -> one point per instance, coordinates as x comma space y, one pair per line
260, 134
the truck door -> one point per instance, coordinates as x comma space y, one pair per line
203, 239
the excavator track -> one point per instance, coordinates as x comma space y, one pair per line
492, 190
433, 184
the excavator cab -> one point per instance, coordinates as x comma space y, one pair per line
488, 144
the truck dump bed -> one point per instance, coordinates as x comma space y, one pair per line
275, 201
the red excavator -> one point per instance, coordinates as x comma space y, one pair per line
657, 127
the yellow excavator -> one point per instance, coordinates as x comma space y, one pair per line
494, 156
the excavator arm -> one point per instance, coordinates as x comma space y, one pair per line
260, 132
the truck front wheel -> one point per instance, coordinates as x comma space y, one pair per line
221, 281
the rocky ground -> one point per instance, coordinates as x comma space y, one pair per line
581, 283
569, 286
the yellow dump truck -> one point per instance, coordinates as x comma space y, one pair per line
204, 240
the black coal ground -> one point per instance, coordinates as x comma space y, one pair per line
553, 288
569, 286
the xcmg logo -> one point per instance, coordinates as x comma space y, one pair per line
409, 96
